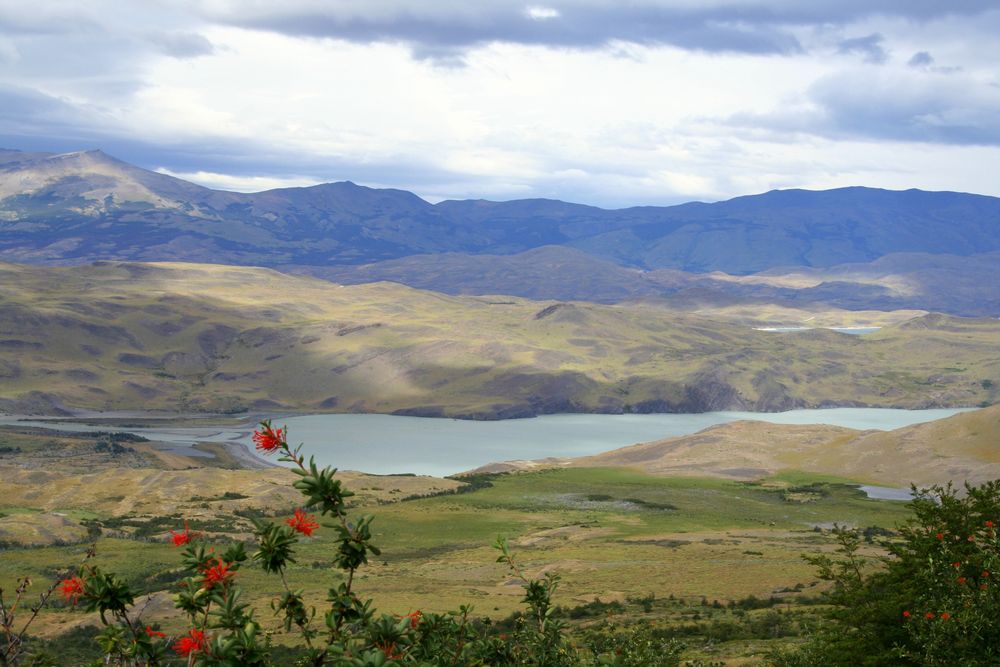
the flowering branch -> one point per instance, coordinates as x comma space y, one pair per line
14, 641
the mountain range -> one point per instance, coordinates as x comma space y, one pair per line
851, 248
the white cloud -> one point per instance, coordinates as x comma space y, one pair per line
179, 86
541, 13
239, 183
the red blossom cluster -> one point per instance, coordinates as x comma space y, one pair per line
269, 439
181, 538
302, 522
193, 642
217, 573
929, 616
389, 650
71, 589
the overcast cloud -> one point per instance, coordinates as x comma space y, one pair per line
595, 101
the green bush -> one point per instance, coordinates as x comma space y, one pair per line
934, 601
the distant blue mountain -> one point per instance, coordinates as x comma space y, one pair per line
80, 207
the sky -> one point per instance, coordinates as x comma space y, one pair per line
605, 102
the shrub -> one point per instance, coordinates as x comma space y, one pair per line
935, 599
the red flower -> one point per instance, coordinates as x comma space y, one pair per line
929, 615
945, 616
181, 538
961, 580
989, 524
192, 643
268, 439
906, 614
153, 633
414, 618
71, 589
986, 573
219, 573
940, 536
302, 522
389, 650
956, 564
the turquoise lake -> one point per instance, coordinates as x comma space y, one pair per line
386, 444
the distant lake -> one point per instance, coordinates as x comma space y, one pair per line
385, 444
856, 331
886, 493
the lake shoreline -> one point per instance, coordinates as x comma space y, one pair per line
253, 417
393, 444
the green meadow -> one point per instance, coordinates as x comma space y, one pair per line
627, 546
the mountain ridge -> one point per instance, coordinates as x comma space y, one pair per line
75, 208
643, 236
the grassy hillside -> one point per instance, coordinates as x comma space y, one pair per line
960, 448
946, 283
121, 336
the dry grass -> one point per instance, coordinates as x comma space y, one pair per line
184, 337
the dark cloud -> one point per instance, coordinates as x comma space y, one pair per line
869, 47
913, 106
437, 30
921, 59
28, 113
446, 29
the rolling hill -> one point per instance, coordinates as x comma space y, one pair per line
960, 448
943, 283
185, 337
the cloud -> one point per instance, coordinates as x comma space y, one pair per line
28, 113
430, 27
181, 44
912, 106
870, 47
542, 13
734, 26
8, 52
240, 183
599, 101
